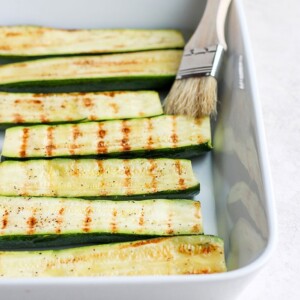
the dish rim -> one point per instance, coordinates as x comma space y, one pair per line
245, 271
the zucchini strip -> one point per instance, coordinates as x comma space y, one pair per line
159, 256
36, 41
18, 108
159, 136
128, 71
91, 178
50, 222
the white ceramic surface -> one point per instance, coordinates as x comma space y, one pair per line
274, 34
236, 192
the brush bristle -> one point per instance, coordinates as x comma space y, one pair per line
195, 97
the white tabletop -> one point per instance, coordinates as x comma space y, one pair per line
274, 28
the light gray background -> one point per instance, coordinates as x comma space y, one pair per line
274, 29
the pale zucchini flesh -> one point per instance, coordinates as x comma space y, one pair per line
18, 108
50, 222
92, 178
159, 256
128, 71
161, 136
35, 41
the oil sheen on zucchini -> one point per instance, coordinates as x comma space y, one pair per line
91, 178
18, 108
196, 254
49, 222
128, 71
35, 41
160, 136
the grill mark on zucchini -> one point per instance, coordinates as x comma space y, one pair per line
113, 223
197, 215
5, 48
169, 224
18, 118
37, 95
174, 136
198, 122
88, 102
75, 134
51, 146
5, 219
152, 168
112, 93
24, 188
88, 219
39, 106
197, 206
100, 167
101, 148
150, 139
101, 171
141, 218
43, 118
196, 228
127, 181
75, 170
144, 242
196, 249
115, 107
125, 139
181, 183
31, 223
59, 220
36, 101
25, 137
179, 172
13, 34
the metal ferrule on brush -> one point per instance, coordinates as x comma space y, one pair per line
200, 62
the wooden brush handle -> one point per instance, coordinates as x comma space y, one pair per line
210, 30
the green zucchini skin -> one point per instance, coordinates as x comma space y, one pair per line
181, 152
43, 241
128, 71
170, 194
196, 254
186, 194
27, 42
98, 179
161, 136
130, 83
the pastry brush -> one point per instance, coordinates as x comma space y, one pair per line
194, 92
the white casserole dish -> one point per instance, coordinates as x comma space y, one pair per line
236, 191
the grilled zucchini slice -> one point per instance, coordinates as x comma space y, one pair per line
128, 71
16, 108
159, 136
91, 178
35, 41
159, 256
50, 222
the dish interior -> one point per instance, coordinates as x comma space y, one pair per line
233, 194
